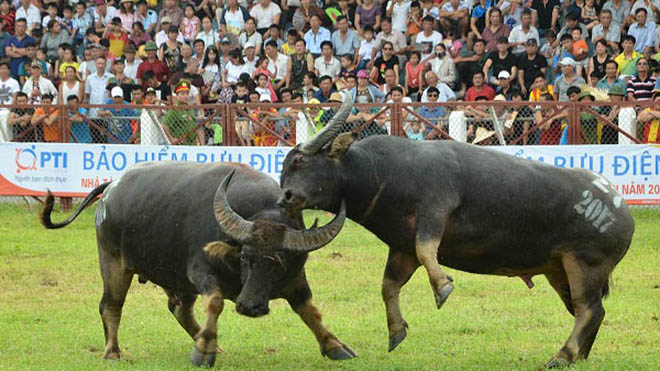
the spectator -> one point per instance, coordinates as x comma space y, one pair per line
479, 88
199, 47
643, 31
180, 124
348, 68
190, 24
126, 14
620, 10
616, 95
161, 90
367, 14
391, 82
19, 119
650, 117
566, 80
443, 66
446, 94
326, 88
16, 47
80, 132
45, 116
598, 61
640, 87
8, 85
627, 60
530, 64
364, 92
81, 22
606, 30
70, 85
303, 15
95, 86
397, 11
327, 64
158, 67
387, 33
186, 57
504, 87
234, 69
386, 61
316, 36
414, 21
384, 125
118, 120
274, 35
250, 35
428, 38
610, 79
278, 64
172, 11
572, 21
539, 88
478, 19
132, 63
232, 18
500, 60
266, 13
37, 86
30, 13
494, 30
103, 15
580, 51
344, 39
367, 49
433, 113
652, 8
522, 33
118, 39
51, 15
7, 17
138, 36
454, 16
120, 79
170, 51
413, 76
310, 86
469, 62
162, 35
210, 70
147, 17
300, 64
289, 47
589, 14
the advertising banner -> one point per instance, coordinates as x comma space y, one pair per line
75, 169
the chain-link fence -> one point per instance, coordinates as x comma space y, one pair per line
287, 124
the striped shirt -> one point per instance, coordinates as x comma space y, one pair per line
641, 90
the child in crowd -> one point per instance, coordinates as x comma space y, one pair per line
52, 14
366, 47
580, 50
414, 22
190, 24
589, 14
288, 47
67, 21
414, 130
452, 44
413, 78
347, 68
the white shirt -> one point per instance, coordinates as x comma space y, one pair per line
161, 37
235, 71
131, 68
95, 87
278, 67
32, 15
429, 42
110, 13
45, 87
650, 14
209, 39
366, 48
234, 21
7, 90
400, 15
331, 68
446, 94
264, 16
518, 35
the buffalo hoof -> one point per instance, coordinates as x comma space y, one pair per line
442, 296
198, 358
341, 353
557, 363
396, 339
112, 356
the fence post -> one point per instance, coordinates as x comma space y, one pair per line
66, 203
573, 120
227, 129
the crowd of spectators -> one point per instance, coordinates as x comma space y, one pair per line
169, 52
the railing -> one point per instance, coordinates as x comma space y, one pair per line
484, 123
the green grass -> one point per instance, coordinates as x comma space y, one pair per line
50, 287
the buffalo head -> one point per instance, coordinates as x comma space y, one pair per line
272, 253
311, 177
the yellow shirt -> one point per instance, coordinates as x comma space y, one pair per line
288, 49
64, 65
624, 63
535, 94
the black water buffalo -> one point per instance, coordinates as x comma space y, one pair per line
471, 209
166, 223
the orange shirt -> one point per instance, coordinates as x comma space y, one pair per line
51, 132
578, 46
117, 44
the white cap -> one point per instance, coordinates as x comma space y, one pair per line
117, 92
503, 75
567, 61
249, 44
264, 98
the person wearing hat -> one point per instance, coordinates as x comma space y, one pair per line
567, 79
501, 60
162, 35
37, 85
118, 119
522, 33
250, 54
117, 37
616, 94
530, 64
131, 62
650, 117
180, 125
158, 67
147, 17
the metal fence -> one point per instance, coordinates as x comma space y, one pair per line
286, 124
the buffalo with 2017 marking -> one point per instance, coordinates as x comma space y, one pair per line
172, 224
472, 209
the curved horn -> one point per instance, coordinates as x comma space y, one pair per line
231, 223
313, 239
331, 130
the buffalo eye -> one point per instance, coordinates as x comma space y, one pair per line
298, 160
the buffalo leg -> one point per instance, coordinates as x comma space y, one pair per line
300, 301
206, 340
586, 285
559, 282
427, 254
116, 282
182, 307
398, 270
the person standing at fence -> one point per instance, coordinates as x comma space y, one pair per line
650, 117
118, 119
640, 87
19, 119
46, 116
37, 86
179, 124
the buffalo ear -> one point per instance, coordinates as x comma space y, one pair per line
221, 249
342, 143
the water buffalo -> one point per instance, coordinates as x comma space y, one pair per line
172, 224
471, 209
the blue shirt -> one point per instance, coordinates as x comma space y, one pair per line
431, 113
82, 24
119, 127
314, 41
14, 63
80, 130
346, 46
643, 35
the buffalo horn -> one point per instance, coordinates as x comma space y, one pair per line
313, 239
231, 223
331, 130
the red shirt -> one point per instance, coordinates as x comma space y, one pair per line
7, 21
486, 91
160, 69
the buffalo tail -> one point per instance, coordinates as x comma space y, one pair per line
50, 203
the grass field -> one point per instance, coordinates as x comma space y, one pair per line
50, 289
